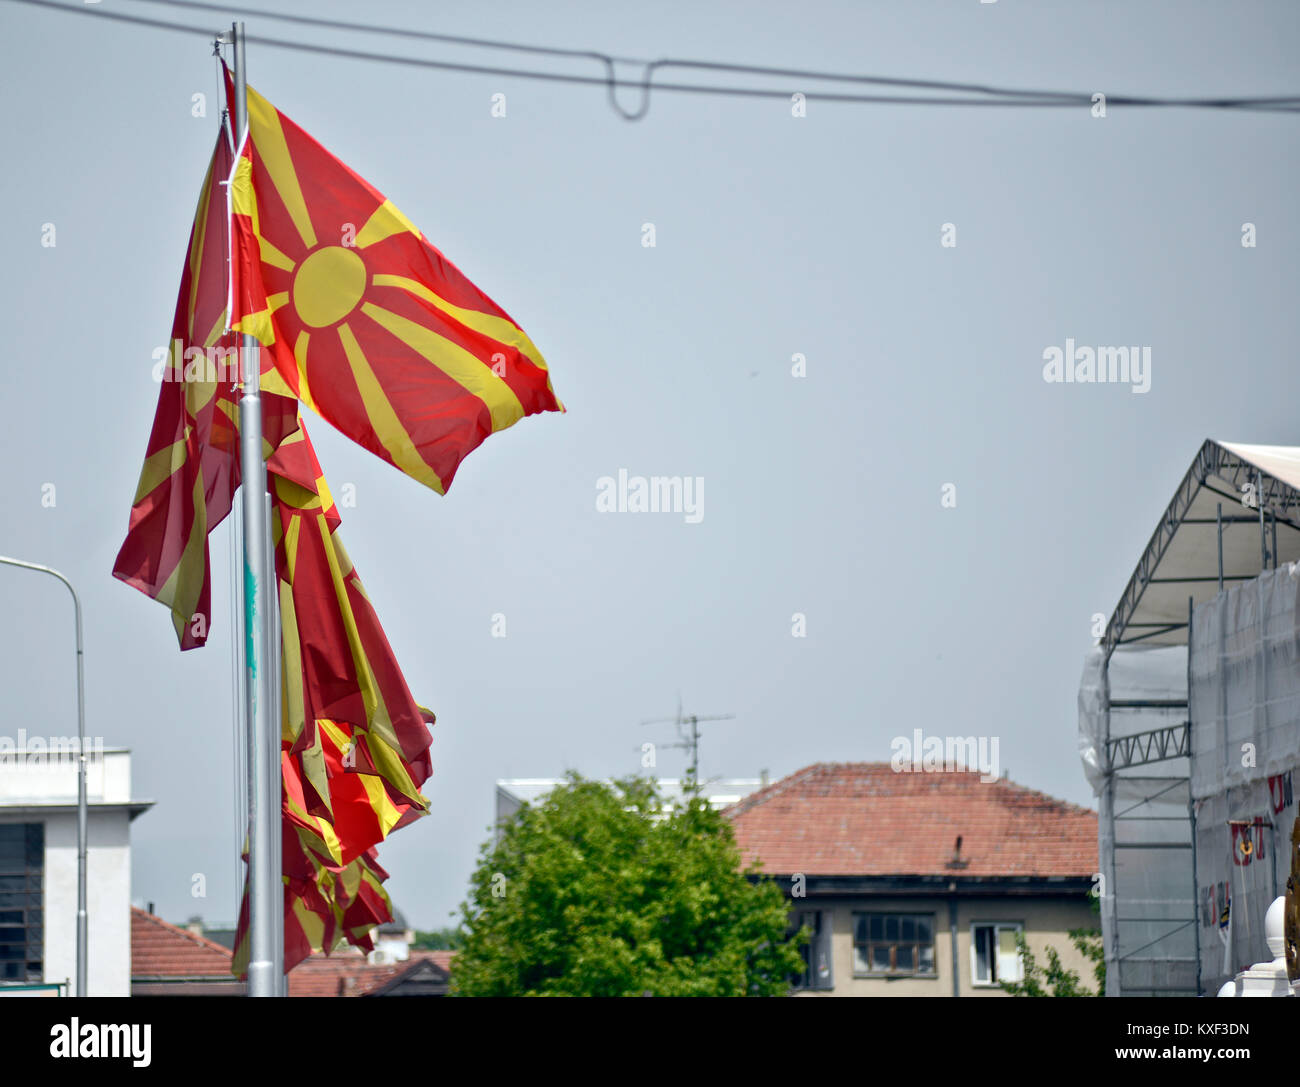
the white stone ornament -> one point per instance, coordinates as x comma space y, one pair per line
1266, 978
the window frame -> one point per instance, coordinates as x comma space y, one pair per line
996, 926
822, 929
894, 971
22, 893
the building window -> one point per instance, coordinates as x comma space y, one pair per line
22, 931
816, 952
994, 957
893, 945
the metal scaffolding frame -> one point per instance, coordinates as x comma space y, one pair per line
1170, 742
1149, 814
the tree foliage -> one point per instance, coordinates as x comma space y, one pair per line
598, 891
1055, 980
438, 939
1088, 943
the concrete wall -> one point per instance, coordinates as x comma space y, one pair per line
1046, 920
108, 901
108, 898
27, 784
36, 777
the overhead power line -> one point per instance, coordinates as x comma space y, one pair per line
945, 93
367, 28
1069, 98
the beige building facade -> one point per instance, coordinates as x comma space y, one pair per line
863, 954
917, 883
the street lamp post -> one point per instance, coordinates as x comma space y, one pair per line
81, 771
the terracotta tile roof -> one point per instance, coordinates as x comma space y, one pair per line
346, 972
162, 950
865, 819
420, 973
441, 959
328, 975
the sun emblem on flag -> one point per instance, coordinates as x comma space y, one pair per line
413, 361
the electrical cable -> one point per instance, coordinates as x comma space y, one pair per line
717, 66
995, 96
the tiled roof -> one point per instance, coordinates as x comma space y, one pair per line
346, 972
440, 959
865, 819
426, 973
162, 950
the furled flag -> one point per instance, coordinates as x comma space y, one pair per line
355, 742
191, 467
368, 323
355, 745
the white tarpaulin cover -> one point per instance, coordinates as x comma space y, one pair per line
1245, 704
1144, 828
1245, 713
1241, 866
1234, 514
1136, 673
1182, 557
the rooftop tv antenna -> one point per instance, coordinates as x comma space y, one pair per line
691, 743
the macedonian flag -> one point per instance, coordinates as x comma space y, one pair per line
354, 743
349, 717
369, 324
191, 467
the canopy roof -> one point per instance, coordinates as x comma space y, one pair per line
1182, 559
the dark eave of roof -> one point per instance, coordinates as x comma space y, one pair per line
133, 808
939, 885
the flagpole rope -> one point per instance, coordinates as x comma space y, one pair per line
241, 815
219, 92
965, 94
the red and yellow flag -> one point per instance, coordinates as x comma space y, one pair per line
373, 328
191, 467
355, 745
322, 906
368, 323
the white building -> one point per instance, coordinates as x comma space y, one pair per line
393, 941
513, 793
38, 865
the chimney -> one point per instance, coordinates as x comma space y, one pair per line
956, 861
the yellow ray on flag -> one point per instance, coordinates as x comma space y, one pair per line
365, 319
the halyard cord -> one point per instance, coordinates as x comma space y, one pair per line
994, 96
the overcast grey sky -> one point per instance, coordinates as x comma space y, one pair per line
775, 235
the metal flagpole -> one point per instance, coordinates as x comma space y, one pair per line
82, 924
266, 885
275, 772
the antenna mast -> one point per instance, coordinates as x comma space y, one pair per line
693, 743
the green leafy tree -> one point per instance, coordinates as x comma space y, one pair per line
439, 939
598, 891
1055, 980
1088, 943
